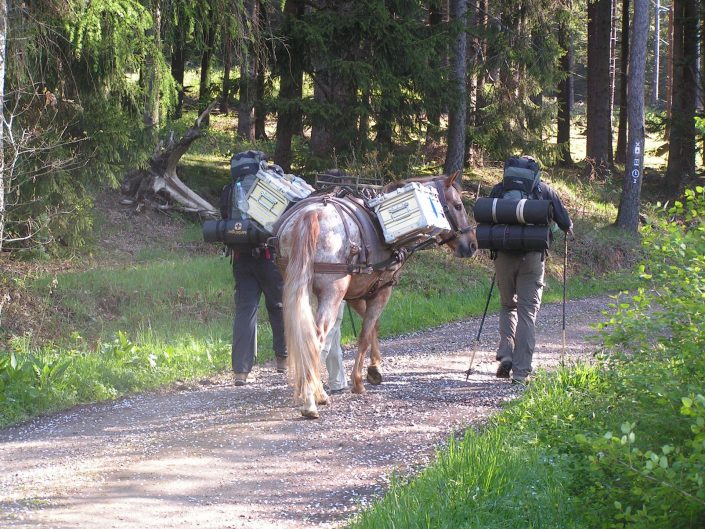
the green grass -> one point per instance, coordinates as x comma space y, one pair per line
500, 476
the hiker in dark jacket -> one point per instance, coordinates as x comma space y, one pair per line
520, 283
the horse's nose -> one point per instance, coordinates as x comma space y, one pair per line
466, 249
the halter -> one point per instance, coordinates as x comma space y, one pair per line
457, 231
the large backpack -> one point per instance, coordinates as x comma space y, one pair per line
242, 165
521, 176
517, 221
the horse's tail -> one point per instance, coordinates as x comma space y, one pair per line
299, 323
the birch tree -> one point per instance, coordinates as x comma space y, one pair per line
3, 39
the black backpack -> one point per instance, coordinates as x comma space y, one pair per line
517, 221
521, 176
241, 165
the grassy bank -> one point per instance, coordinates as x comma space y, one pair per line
618, 443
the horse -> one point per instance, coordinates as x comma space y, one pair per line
330, 245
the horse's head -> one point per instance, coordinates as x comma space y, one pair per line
462, 239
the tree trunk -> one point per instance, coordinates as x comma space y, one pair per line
599, 120
657, 54
613, 67
480, 100
227, 66
290, 85
260, 107
669, 70
3, 46
248, 75
459, 68
204, 85
159, 183
151, 103
621, 155
681, 148
337, 130
436, 16
470, 156
565, 91
628, 216
178, 60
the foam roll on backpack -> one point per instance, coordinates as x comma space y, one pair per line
513, 237
510, 211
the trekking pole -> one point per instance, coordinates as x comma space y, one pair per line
565, 266
479, 331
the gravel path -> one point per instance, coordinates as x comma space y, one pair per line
216, 456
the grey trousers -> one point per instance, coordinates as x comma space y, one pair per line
253, 277
332, 354
520, 285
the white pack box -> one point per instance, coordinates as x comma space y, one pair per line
271, 194
410, 212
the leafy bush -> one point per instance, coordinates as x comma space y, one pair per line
651, 473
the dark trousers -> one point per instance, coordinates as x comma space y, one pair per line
254, 276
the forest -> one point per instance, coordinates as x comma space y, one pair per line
92, 89
119, 119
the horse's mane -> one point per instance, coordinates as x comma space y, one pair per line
421, 180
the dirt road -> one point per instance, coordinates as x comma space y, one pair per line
216, 456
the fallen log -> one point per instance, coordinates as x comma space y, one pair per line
159, 185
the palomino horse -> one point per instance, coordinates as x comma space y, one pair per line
330, 246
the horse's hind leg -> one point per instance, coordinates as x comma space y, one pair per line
368, 337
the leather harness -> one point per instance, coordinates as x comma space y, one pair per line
361, 257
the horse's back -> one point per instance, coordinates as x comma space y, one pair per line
348, 233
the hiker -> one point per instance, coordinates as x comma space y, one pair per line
520, 276
332, 356
255, 274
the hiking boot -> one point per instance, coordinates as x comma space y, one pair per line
504, 369
281, 364
240, 379
523, 382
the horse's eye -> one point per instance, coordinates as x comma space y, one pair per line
458, 207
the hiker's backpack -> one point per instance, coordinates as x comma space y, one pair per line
517, 221
521, 176
242, 165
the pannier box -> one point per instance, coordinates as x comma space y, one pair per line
271, 194
410, 212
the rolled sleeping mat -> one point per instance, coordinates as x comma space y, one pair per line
513, 237
241, 231
510, 211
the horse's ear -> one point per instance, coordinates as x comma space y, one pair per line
451, 179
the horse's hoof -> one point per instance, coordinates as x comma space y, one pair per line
323, 401
358, 389
310, 414
374, 377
